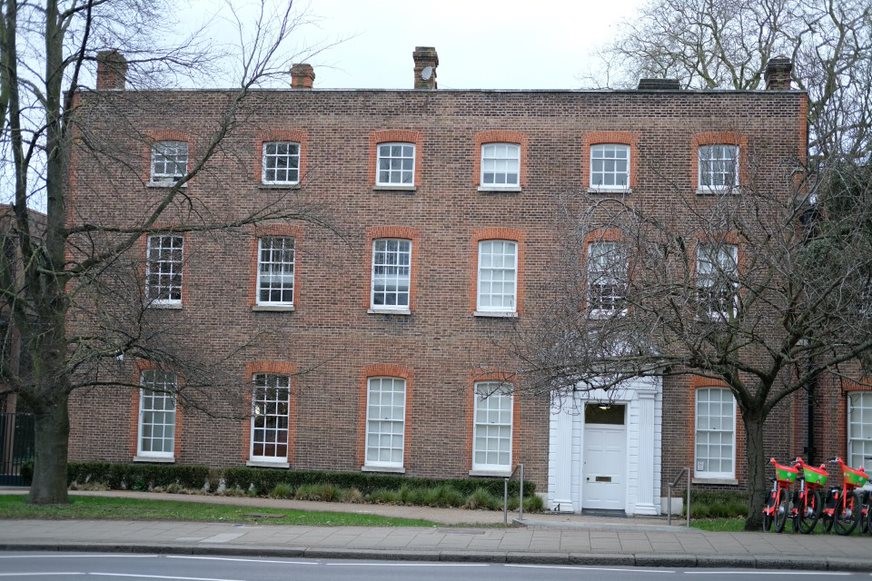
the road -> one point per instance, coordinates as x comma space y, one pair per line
52, 566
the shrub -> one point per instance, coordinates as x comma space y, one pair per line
534, 503
717, 504
355, 496
281, 491
384, 496
443, 496
482, 499
136, 476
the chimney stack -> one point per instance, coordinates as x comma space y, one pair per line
777, 75
111, 70
426, 62
302, 76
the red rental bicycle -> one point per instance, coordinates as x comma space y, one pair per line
844, 510
777, 507
808, 500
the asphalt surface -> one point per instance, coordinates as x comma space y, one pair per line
460, 536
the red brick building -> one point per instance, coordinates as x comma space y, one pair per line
371, 345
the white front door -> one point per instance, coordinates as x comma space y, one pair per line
604, 466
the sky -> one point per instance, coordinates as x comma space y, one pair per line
482, 44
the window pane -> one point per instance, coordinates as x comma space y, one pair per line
385, 421
492, 438
270, 404
718, 166
169, 161
717, 272
275, 271
395, 164
497, 275
391, 273
609, 165
157, 413
715, 433
281, 163
500, 164
164, 269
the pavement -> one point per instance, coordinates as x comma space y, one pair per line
459, 535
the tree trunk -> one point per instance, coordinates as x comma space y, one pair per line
755, 454
52, 427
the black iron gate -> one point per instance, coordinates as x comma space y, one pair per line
16, 447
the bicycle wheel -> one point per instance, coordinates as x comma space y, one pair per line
847, 515
810, 511
768, 511
782, 511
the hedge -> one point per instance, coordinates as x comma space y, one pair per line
137, 476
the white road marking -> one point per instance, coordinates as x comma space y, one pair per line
578, 568
75, 555
40, 574
392, 564
240, 560
159, 577
752, 572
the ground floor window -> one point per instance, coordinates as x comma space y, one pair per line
492, 438
269, 417
860, 429
715, 433
157, 414
385, 422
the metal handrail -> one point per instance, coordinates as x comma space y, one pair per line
669, 488
519, 468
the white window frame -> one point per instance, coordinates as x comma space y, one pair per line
493, 412
271, 161
163, 262
500, 159
490, 274
699, 470
381, 422
156, 386
859, 429
605, 161
396, 272
607, 269
169, 162
719, 269
713, 161
270, 416
275, 271
395, 162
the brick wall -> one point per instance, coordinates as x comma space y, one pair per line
329, 337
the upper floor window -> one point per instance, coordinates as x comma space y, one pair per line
169, 161
385, 422
163, 272
606, 278
157, 414
281, 163
391, 274
500, 165
492, 431
715, 439
718, 167
860, 429
269, 417
275, 271
396, 164
610, 166
717, 270
497, 276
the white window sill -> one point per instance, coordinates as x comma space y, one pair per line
608, 190
393, 469
706, 191
394, 188
721, 481
280, 186
155, 459
495, 473
377, 311
267, 464
496, 314
598, 314
273, 308
157, 305
500, 189
165, 184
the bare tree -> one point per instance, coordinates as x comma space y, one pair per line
67, 270
726, 44
762, 293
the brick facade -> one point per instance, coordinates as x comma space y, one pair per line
441, 347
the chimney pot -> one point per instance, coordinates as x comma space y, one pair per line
777, 75
426, 61
302, 76
111, 70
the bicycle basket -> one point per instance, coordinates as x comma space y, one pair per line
785, 473
814, 475
855, 477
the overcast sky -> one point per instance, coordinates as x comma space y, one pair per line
491, 44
